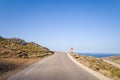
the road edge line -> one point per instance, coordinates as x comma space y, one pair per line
94, 73
40, 62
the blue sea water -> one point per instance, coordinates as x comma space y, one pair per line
99, 55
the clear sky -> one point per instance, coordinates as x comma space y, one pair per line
85, 25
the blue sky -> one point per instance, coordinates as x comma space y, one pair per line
85, 25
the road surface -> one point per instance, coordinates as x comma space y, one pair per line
55, 67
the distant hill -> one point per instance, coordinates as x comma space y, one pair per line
18, 48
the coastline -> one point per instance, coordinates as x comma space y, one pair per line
100, 55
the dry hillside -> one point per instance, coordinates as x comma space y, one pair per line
15, 47
98, 65
115, 59
16, 54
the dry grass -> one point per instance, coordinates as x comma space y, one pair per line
11, 66
18, 48
99, 65
16, 54
115, 59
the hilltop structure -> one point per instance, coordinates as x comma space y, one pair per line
71, 50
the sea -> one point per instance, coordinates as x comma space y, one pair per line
100, 55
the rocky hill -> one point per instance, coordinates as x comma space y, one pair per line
18, 48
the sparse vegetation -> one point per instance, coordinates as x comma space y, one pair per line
99, 65
18, 48
9, 66
115, 59
16, 54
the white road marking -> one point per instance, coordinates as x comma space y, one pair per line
94, 73
37, 65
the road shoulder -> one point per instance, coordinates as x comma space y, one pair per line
94, 73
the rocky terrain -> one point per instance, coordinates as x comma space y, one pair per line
18, 48
98, 65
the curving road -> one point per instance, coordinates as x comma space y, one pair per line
55, 67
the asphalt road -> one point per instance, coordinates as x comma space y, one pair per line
55, 67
